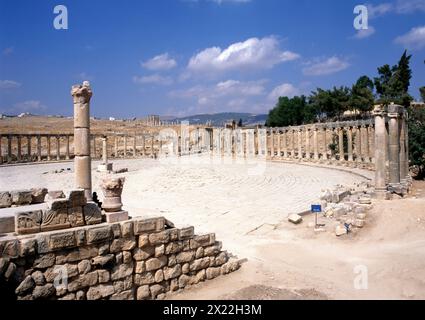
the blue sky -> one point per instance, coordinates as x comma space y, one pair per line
180, 57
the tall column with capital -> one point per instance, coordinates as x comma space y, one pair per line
307, 142
279, 150
19, 155
1, 153
394, 144
58, 148
67, 147
292, 143
402, 125
81, 97
325, 144
371, 135
125, 146
134, 146
350, 143
49, 157
300, 147
285, 143
333, 154
38, 148
271, 143
380, 155
28, 148
315, 144
341, 144
365, 143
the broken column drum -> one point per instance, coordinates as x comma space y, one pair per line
112, 190
81, 97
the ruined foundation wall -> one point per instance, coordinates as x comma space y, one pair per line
136, 259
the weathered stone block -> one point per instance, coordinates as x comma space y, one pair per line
84, 266
27, 247
143, 240
143, 253
212, 273
102, 260
76, 198
9, 248
159, 250
200, 264
171, 273
77, 254
124, 284
122, 244
159, 237
55, 219
62, 240
92, 214
44, 261
39, 278
220, 259
202, 241
5, 199
143, 292
159, 276
173, 247
148, 225
126, 257
185, 256
21, 197
113, 217
156, 263
121, 271
43, 292
230, 266
295, 219
83, 281
25, 286
123, 295
55, 194
199, 253
28, 222
38, 195
100, 291
213, 250
75, 216
186, 233
140, 267
144, 278
156, 289
127, 229
99, 234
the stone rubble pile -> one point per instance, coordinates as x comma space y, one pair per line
16, 198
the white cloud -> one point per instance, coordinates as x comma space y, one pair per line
29, 106
153, 79
160, 62
410, 6
253, 53
325, 67
378, 10
397, 7
9, 84
364, 33
284, 90
414, 39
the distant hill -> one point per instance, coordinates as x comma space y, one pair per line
219, 119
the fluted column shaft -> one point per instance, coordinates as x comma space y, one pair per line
350, 143
341, 144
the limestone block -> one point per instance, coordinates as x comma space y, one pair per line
9, 248
38, 278
213, 250
359, 223
7, 224
143, 292
340, 230
159, 237
38, 195
220, 259
25, 286
199, 264
295, 218
99, 234
230, 266
121, 271
56, 194
5, 199
84, 266
122, 244
27, 247
77, 254
159, 250
28, 222
92, 213
83, 281
76, 198
76, 216
140, 267
184, 280
159, 276
143, 240
81, 115
149, 225
186, 233
55, 219
156, 289
127, 228
62, 240
123, 295
144, 278
173, 247
203, 240
102, 260
113, 217
43, 292
21, 197
156, 263
174, 272
124, 284
212, 273
143, 253
186, 256
100, 291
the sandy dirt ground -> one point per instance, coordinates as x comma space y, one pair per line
246, 204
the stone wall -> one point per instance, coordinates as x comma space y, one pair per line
136, 259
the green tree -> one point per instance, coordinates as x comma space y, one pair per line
392, 85
422, 92
362, 98
416, 124
290, 112
330, 103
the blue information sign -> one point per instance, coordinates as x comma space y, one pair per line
316, 208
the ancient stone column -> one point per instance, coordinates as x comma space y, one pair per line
358, 144
333, 155
58, 148
49, 157
134, 146
350, 143
105, 166
152, 145
341, 144
144, 146
272, 143
292, 144
38, 148
371, 134
403, 151
19, 155
112, 191
365, 143
300, 150
406, 132
279, 150
1, 152
9, 148
28, 148
125, 145
394, 145
315, 144
285, 143
81, 97
67, 155
116, 146
380, 169
307, 143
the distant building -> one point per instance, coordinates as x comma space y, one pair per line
152, 120
417, 104
111, 119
